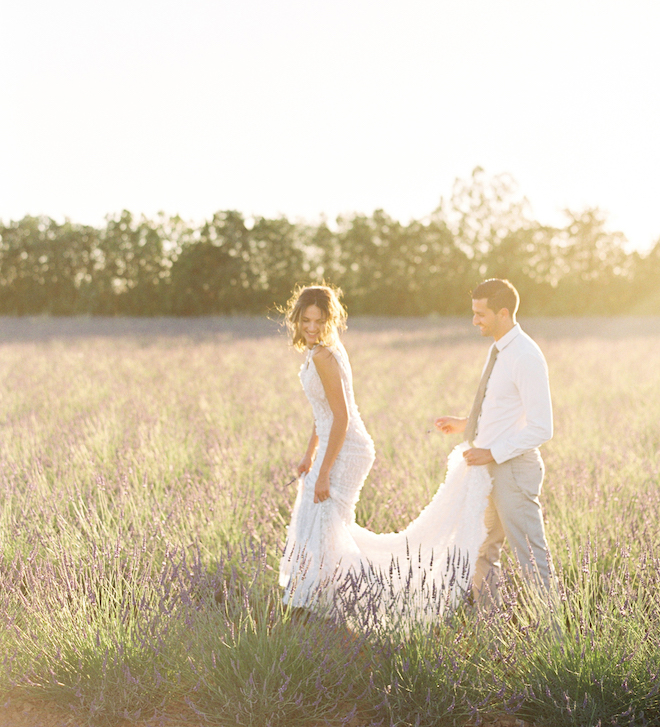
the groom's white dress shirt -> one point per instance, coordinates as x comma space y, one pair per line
516, 414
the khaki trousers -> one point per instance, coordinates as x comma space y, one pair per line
514, 512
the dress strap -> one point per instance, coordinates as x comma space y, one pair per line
310, 353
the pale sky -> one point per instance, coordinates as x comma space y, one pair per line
309, 107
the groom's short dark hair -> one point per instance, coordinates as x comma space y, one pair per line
499, 294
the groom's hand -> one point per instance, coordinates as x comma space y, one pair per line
476, 456
450, 425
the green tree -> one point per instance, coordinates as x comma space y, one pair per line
482, 212
45, 267
131, 267
595, 271
211, 271
645, 279
276, 261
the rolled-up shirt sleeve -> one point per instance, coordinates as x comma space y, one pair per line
530, 375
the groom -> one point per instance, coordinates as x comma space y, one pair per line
510, 418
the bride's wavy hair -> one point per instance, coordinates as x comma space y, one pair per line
326, 299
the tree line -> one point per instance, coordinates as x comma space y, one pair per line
230, 264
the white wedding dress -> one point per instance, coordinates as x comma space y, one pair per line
329, 560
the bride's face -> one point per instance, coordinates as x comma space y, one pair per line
312, 325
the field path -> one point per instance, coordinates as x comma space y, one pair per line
22, 713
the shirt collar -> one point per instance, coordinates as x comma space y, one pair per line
507, 338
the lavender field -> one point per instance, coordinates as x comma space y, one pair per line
144, 499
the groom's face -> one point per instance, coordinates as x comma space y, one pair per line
487, 320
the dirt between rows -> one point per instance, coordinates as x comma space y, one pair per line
16, 712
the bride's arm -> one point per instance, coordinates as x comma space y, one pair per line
305, 464
328, 370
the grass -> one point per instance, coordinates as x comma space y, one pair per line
143, 506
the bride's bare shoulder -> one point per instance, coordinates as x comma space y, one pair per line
322, 354
323, 359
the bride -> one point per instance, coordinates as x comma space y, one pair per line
329, 560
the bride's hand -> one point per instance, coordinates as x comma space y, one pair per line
322, 488
305, 465
450, 425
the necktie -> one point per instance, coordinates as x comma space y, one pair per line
471, 426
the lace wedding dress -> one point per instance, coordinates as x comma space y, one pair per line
329, 560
